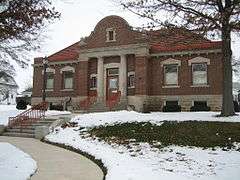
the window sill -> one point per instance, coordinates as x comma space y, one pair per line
171, 86
93, 88
200, 85
67, 90
111, 41
131, 87
48, 90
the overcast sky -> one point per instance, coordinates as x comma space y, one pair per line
78, 19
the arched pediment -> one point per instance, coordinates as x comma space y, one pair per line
49, 70
171, 61
67, 68
199, 59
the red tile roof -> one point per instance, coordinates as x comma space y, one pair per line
69, 53
161, 47
163, 40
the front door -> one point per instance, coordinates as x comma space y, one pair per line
112, 83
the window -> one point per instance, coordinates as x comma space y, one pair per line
200, 103
113, 83
131, 80
199, 74
50, 80
111, 35
93, 81
68, 79
171, 103
171, 74
113, 72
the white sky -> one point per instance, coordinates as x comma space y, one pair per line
78, 19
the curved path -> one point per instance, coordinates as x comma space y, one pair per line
56, 163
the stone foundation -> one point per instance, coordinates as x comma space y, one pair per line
74, 103
142, 103
156, 103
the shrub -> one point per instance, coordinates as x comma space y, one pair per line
236, 106
172, 108
21, 105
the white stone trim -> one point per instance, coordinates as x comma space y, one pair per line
200, 85
131, 73
186, 52
67, 68
107, 34
171, 61
67, 90
93, 75
199, 59
70, 61
49, 70
137, 49
170, 86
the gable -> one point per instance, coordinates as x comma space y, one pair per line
69, 53
123, 32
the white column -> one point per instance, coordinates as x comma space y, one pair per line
123, 76
100, 78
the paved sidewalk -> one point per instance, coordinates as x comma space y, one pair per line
56, 163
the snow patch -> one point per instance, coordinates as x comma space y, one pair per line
15, 164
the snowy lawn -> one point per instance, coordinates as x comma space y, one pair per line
15, 164
7, 111
134, 160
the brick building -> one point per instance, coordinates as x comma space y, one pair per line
117, 66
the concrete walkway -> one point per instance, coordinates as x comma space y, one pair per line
56, 163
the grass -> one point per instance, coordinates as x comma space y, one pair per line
188, 133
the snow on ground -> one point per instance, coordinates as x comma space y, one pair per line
7, 111
15, 164
140, 161
96, 119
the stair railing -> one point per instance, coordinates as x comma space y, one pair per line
29, 116
113, 100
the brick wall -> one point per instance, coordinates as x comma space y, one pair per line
124, 34
185, 77
141, 75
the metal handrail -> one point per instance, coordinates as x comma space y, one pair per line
29, 116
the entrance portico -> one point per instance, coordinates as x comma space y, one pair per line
104, 63
110, 82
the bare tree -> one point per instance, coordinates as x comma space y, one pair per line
21, 24
201, 16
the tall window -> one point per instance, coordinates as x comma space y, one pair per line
93, 81
111, 35
199, 74
131, 80
50, 80
171, 74
68, 80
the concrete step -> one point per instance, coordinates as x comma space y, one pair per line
18, 130
48, 122
23, 127
41, 124
14, 134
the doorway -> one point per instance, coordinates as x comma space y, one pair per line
112, 84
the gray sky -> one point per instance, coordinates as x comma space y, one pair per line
78, 19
